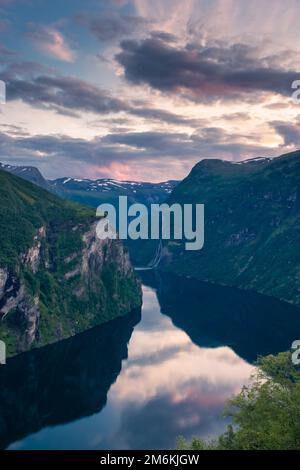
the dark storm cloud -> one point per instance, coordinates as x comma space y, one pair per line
208, 73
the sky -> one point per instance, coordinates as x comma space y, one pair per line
144, 89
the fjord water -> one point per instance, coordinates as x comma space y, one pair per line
142, 380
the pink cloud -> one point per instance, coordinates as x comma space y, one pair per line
52, 42
116, 170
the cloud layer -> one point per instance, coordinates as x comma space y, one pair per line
48, 39
175, 83
209, 72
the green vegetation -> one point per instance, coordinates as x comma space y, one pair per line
252, 225
265, 415
141, 251
69, 300
24, 208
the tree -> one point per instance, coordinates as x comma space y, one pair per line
266, 414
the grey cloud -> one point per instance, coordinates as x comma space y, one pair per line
126, 147
24, 70
63, 147
238, 116
63, 92
164, 36
65, 154
158, 141
14, 130
164, 116
34, 84
208, 142
207, 73
290, 132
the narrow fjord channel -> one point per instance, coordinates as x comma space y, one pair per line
142, 380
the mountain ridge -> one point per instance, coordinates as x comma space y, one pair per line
29, 173
252, 225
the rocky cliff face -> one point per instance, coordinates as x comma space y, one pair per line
21, 311
63, 280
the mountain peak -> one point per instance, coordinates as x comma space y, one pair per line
29, 173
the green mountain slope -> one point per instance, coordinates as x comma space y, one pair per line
24, 208
56, 277
252, 225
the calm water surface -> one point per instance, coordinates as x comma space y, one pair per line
144, 379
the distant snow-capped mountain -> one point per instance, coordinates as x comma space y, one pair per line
90, 191
29, 173
93, 192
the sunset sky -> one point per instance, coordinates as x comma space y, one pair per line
144, 89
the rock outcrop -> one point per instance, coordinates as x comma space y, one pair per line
59, 279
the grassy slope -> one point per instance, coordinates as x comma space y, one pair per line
252, 225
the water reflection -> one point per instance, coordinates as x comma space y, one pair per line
213, 316
62, 382
180, 369
171, 387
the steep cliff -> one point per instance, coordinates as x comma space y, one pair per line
56, 277
252, 225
